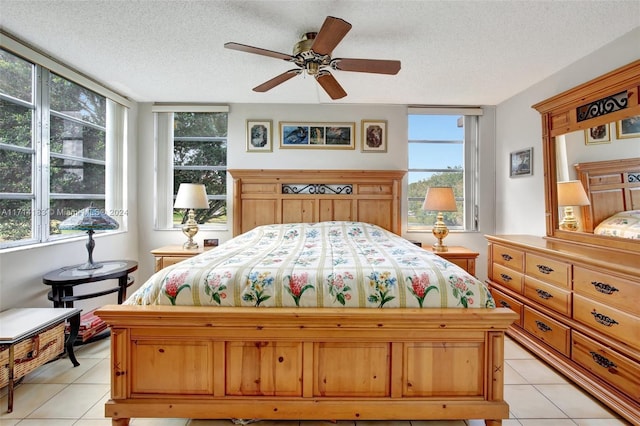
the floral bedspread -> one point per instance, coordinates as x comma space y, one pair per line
625, 224
326, 264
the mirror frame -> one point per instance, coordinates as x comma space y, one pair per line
608, 98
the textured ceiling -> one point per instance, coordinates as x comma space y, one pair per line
452, 52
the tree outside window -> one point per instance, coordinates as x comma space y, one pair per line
200, 156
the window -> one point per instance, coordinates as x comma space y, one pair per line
443, 152
57, 143
191, 147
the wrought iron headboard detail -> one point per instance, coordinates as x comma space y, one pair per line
317, 188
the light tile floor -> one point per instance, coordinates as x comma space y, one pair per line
57, 394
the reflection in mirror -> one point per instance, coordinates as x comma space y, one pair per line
601, 147
571, 193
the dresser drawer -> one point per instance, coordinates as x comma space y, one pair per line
612, 291
548, 270
171, 260
607, 320
508, 277
550, 331
504, 301
607, 364
508, 256
548, 295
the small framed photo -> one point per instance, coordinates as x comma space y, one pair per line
374, 136
521, 163
628, 128
317, 135
597, 135
259, 136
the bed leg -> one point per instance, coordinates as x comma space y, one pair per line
120, 422
493, 422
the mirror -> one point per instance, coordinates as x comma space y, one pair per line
584, 126
604, 145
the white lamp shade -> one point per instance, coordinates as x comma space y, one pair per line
440, 199
572, 193
191, 196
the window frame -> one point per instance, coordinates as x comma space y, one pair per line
164, 167
115, 143
471, 178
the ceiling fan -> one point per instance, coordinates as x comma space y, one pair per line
313, 55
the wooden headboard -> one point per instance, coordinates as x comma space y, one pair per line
612, 186
264, 197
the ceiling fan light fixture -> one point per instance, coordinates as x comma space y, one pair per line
312, 68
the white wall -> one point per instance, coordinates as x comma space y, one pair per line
21, 269
520, 201
394, 159
578, 152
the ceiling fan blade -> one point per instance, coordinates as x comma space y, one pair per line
258, 51
376, 66
268, 85
330, 85
332, 32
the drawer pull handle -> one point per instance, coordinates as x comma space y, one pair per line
505, 277
543, 294
602, 361
506, 257
542, 326
604, 288
603, 319
544, 269
504, 304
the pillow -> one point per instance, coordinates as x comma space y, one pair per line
622, 225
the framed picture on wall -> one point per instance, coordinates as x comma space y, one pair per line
317, 135
628, 128
374, 136
521, 163
259, 136
597, 135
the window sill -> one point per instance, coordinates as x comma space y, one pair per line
59, 241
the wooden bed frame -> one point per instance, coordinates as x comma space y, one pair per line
612, 186
307, 363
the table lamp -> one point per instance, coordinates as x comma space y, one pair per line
89, 219
191, 196
440, 199
571, 193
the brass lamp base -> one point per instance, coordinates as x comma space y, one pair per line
190, 229
440, 231
190, 245
569, 221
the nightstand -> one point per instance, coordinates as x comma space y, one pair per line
169, 255
461, 256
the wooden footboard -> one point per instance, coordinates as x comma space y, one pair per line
304, 363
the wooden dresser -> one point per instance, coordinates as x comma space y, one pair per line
579, 310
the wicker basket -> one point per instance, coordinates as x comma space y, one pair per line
32, 353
